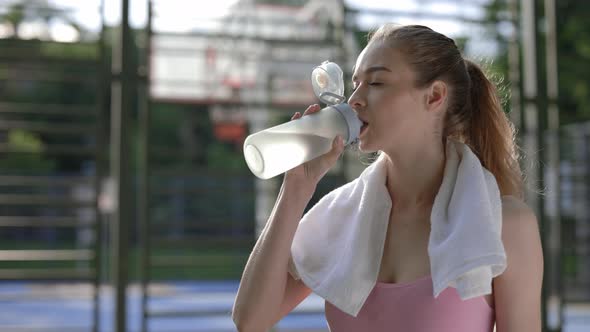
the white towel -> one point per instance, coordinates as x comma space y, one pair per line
338, 245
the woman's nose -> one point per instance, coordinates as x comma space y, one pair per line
356, 100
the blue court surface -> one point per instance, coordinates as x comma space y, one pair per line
204, 306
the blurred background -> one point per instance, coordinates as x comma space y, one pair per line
125, 201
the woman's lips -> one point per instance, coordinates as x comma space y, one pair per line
363, 128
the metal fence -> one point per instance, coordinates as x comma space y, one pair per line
575, 212
199, 204
191, 219
50, 150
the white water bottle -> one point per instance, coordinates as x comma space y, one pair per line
278, 149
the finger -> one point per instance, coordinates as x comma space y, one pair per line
312, 109
297, 115
337, 147
332, 156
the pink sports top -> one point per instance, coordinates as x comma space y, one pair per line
410, 307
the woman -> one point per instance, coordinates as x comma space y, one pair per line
413, 91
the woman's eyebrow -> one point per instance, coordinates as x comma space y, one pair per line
372, 70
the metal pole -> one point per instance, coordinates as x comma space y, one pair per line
555, 300
144, 176
120, 153
533, 132
266, 190
99, 171
514, 66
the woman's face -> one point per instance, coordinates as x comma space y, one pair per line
385, 99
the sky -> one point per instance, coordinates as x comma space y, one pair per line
185, 15
174, 15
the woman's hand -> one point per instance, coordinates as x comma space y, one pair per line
311, 172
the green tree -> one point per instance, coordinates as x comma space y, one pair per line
40, 72
22, 11
27, 156
573, 54
573, 47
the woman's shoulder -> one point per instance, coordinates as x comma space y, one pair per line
520, 233
518, 219
514, 208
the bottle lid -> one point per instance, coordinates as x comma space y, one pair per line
327, 80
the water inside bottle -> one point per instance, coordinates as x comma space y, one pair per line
283, 151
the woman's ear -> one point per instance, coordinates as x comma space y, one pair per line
436, 95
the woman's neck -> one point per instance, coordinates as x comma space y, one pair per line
414, 175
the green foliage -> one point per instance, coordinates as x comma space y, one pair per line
165, 120
17, 13
573, 54
69, 51
186, 132
223, 157
573, 58
27, 156
14, 16
24, 141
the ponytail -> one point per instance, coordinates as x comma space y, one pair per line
491, 135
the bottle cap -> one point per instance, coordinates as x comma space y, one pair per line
327, 80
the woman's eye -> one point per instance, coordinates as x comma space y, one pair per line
354, 87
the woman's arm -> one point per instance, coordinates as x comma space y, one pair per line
266, 291
517, 291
